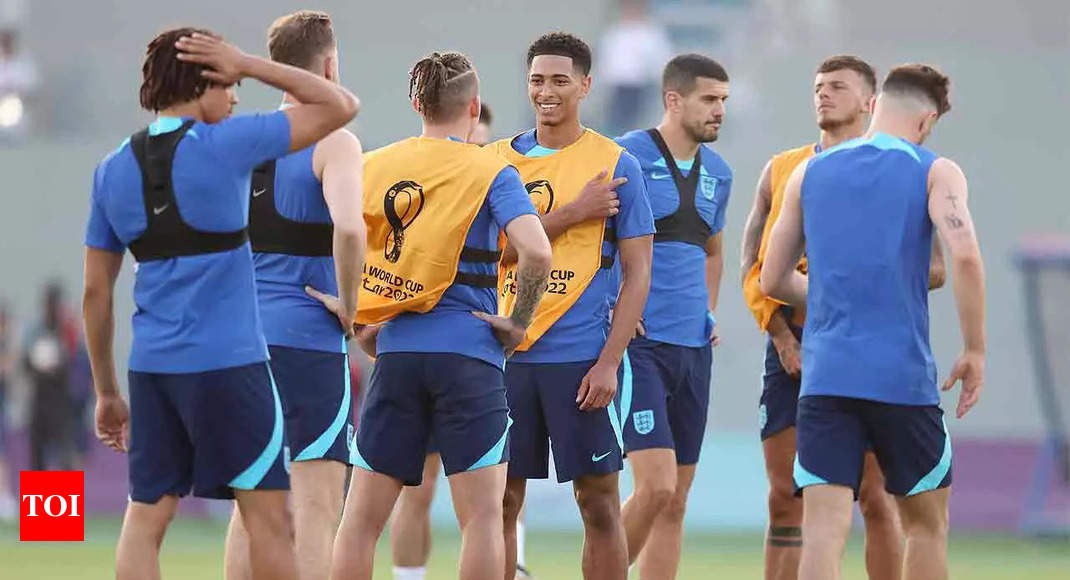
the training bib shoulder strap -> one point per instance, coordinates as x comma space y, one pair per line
685, 224
271, 232
166, 234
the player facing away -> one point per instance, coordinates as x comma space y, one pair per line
434, 206
410, 524
204, 414
665, 393
844, 89
865, 211
306, 229
563, 377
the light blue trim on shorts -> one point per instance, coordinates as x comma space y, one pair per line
318, 448
626, 385
932, 479
803, 477
494, 455
254, 474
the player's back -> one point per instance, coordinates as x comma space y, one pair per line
290, 227
194, 312
434, 209
868, 240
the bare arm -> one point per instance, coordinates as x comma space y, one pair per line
533, 267
324, 106
948, 210
535, 258
937, 270
342, 179
112, 415
780, 279
759, 212
636, 255
101, 270
597, 200
714, 267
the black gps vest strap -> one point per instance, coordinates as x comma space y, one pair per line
685, 225
271, 232
166, 234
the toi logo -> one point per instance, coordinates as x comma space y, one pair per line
51, 506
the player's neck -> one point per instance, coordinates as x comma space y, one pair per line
894, 125
458, 130
559, 136
835, 136
682, 146
191, 109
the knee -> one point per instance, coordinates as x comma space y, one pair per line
600, 509
784, 508
415, 501
878, 509
675, 509
930, 524
512, 503
657, 493
267, 524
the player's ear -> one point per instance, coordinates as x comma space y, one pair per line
871, 104
585, 84
416, 106
328, 68
671, 99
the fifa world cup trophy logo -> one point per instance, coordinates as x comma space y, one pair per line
403, 203
542, 195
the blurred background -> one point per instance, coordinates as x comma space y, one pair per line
69, 73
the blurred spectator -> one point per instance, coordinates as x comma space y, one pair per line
18, 74
48, 355
8, 356
630, 61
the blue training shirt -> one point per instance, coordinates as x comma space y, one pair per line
580, 333
677, 310
194, 313
869, 241
291, 317
450, 326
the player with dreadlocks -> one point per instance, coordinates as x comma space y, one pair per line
434, 206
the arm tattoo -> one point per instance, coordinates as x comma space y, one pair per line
529, 289
953, 221
951, 197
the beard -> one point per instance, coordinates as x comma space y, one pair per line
831, 124
701, 134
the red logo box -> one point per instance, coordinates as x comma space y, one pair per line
51, 506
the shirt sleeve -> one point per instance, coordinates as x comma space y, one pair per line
99, 232
635, 218
508, 199
249, 140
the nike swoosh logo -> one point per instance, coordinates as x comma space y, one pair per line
258, 192
597, 458
656, 175
160, 210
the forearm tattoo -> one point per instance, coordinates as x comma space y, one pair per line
530, 286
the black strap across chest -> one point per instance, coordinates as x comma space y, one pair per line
685, 224
166, 234
271, 232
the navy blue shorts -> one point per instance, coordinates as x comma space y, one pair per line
316, 401
665, 397
542, 402
412, 396
780, 392
910, 441
211, 432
